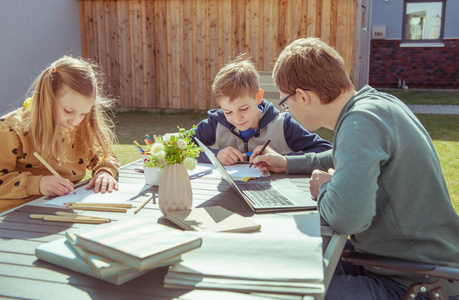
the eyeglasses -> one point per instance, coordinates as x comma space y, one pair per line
283, 104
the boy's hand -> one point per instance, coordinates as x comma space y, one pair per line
103, 181
229, 156
269, 160
318, 178
55, 186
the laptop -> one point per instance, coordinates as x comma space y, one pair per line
265, 196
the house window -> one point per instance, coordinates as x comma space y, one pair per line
423, 21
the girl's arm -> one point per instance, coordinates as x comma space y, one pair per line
105, 173
13, 183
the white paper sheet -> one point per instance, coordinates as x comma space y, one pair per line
255, 257
126, 192
273, 260
239, 172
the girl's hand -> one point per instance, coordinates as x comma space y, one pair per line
103, 181
229, 156
55, 186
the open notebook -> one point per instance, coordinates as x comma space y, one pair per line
265, 196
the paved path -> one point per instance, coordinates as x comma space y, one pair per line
435, 109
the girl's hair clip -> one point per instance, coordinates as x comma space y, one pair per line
53, 69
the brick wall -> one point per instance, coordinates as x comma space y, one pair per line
419, 67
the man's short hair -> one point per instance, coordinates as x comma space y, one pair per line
309, 63
236, 79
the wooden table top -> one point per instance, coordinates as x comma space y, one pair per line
23, 276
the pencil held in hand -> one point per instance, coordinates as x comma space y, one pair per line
48, 167
262, 149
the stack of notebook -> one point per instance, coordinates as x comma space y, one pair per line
255, 263
119, 251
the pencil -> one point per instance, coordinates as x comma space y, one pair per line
263, 148
75, 220
143, 203
48, 167
69, 219
138, 146
101, 204
149, 139
98, 208
74, 215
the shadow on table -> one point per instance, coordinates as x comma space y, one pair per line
18, 225
149, 285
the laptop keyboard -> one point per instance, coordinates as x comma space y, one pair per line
263, 194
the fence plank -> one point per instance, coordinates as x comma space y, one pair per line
135, 32
125, 57
164, 54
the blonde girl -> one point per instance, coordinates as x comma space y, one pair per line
64, 122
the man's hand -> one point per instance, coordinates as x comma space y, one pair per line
103, 181
269, 160
318, 178
229, 156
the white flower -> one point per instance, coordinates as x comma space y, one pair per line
167, 137
181, 144
190, 163
160, 155
156, 147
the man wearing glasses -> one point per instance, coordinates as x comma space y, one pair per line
386, 191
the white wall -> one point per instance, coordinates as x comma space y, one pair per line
33, 34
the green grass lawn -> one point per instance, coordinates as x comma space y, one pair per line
434, 97
133, 126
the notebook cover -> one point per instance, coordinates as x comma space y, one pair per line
214, 218
104, 267
60, 253
136, 242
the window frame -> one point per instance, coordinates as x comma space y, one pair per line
423, 41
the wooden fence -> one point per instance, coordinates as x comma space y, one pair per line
164, 54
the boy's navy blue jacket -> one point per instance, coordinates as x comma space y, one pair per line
287, 135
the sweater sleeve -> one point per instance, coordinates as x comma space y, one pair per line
14, 184
302, 141
362, 145
308, 162
109, 164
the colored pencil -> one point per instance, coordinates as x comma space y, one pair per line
100, 204
98, 208
74, 215
48, 167
69, 219
138, 146
144, 203
74, 220
149, 139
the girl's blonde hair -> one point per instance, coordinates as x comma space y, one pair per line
309, 63
94, 132
236, 79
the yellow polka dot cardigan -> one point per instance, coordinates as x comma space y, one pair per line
20, 170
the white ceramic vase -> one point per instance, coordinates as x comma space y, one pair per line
174, 192
152, 175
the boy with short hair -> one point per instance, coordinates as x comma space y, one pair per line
245, 121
